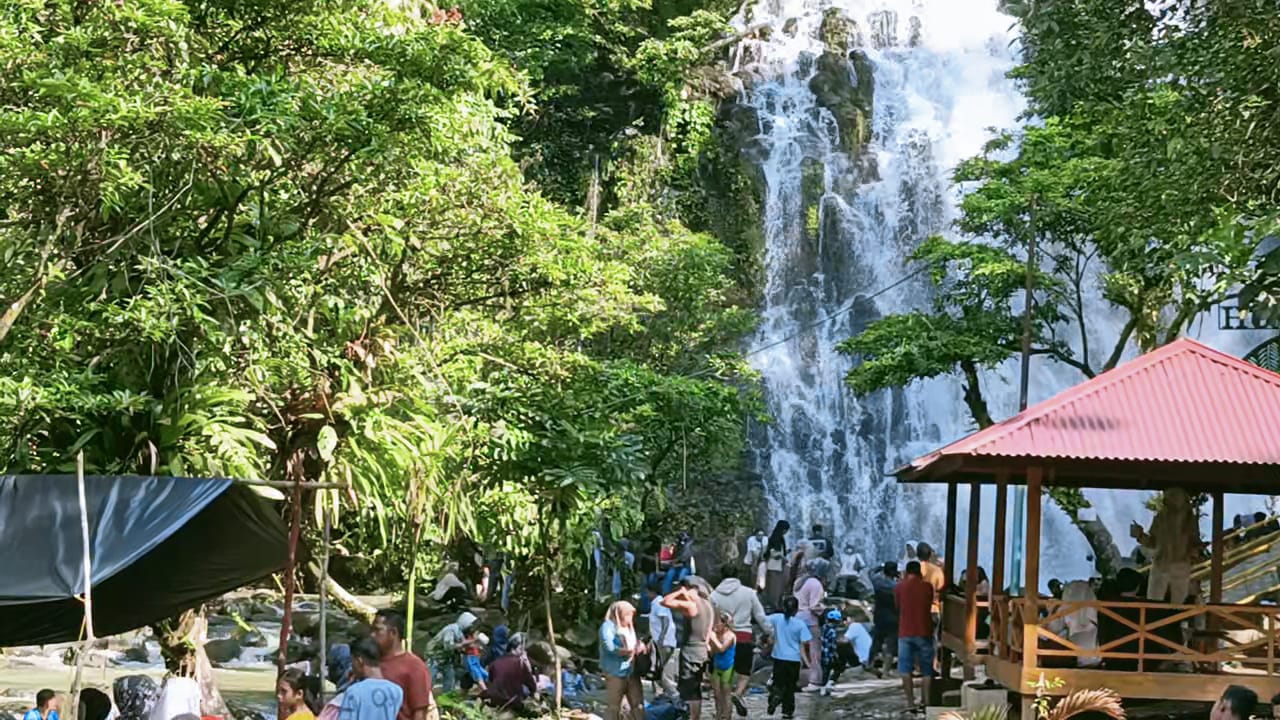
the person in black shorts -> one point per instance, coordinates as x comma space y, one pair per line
691, 601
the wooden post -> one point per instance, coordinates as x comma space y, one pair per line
1215, 568
1031, 604
1034, 476
971, 581
948, 561
949, 550
997, 558
998, 634
286, 623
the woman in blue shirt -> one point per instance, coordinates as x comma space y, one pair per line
790, 651
618, 648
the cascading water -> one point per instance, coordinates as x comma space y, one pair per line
864, 108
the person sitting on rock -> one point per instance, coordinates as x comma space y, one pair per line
449, 590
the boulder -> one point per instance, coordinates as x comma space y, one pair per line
845, 86
839, 32
540, 652
222, 651
136, 654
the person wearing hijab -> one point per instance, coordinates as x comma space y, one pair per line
498, 644
809, 592
341, 674
775, 565
444, 651
135, 695
511, 678
618, 649
178, 696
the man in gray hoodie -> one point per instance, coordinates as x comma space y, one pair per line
743, 604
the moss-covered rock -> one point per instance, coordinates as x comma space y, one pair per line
839, 32
845, 85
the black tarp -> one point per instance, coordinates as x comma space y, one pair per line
158, 546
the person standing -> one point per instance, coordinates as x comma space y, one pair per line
743, 606
775, 565
1174, 541
618, 649
753, 560
403, 668
723, 645
932, 573
692, 602
790, 649
371, 696
662, 633
809, 593
914, 599
820, 545
884, 618
291, 696
46, 706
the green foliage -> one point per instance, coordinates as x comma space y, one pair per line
289, 240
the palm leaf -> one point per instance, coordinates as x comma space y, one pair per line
1103, 701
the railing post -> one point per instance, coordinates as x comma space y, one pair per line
948, 564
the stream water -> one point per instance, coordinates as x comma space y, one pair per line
840, 218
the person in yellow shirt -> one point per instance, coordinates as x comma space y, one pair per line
291, 694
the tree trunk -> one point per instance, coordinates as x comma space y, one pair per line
182, 640
343, 597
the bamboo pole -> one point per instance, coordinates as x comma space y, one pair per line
324, 605
88, 589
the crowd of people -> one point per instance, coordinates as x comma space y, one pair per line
780, 606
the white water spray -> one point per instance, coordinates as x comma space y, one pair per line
839, 220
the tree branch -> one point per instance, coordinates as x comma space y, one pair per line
973, 395
1121, 343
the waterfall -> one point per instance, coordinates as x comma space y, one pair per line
864, 108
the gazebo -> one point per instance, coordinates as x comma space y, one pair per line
1184, 416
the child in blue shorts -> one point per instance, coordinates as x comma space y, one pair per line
473, 650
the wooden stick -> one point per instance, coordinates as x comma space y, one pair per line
286, 624
88, 589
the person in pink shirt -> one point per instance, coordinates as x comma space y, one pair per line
809, 593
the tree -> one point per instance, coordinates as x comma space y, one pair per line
290, 241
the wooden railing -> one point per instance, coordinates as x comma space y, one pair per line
1143, 636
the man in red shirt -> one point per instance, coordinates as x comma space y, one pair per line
404, 668
914, 598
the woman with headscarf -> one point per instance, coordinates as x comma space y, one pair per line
498, 644
1080, 626
511, 678
341, 673
618, 649
908, 554
135, 696
1174, 541
809, 593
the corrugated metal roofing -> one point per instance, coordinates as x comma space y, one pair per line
1184, 402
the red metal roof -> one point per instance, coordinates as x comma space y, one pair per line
1183, 403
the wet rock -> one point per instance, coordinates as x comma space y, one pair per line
839, 32
884, 28
791, 26
136, 654
845, 86
540, 652
252, 637
915, 32
222, 651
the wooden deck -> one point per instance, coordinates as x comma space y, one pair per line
1172, 652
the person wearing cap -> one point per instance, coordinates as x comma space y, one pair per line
445, 651
884, 617
840, 648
